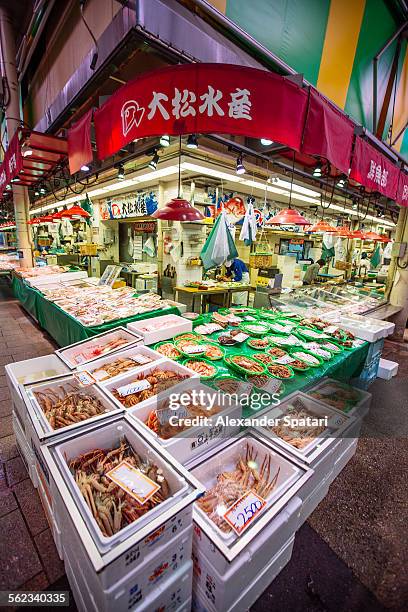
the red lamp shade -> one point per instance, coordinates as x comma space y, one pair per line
384, 238
344, 231
73, 212
322, 227
288, 216
372, 236
178, 209
358, 234
46, 219
34, 221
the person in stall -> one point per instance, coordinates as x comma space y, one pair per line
312, 272
240, 273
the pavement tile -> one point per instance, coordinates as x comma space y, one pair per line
4, 391
16, 340
19, 561
8, 502
6, 407
3, 381
30, 506
8, 448
5, 359
6, 426
38, 583
15, 471
3, 480
53, 565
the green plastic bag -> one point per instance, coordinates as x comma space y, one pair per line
219, 246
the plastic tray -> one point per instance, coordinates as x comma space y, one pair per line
134, 351
206, 361
172, 325
158, 344
302, 350
242, 370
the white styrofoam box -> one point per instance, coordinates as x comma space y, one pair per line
131, 353
160, 328
78, 593
127, 378
24, 448
205, 600
313, 452
40, 281
312, 498
339, 395
182, 308
38, 426
31, 370
387, 369
349, 448
46, 502
93, 348
141, 586
366, 328
226, 579
109, 437
195, 440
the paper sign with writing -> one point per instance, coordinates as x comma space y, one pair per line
285, 359
85, 379
163, 414
192, 349
241, 514
241, 337
140, 359
134, 387
133, 481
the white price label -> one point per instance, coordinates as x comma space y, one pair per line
241, 514
249, 318
100, 374
192, 349
80, 358
133, 481
141, 359
331, 329
358, 342
244, 388
134, 387
272, 386
163, 414
241, 337
284, 360
84, 378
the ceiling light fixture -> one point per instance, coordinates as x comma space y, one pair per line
121, 172
289, 216
84, 168
154, 161
317, 172
192, 142
165, 140
240, 166
266, 142
341, 181
26, 151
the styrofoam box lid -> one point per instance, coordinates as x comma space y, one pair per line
33, 370
108, 436
81, 352
148, 326
40, 422
389, 366
225, 460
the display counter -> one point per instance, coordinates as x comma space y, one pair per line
64, 328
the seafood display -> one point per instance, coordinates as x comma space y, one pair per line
251, 473
280, 371
285, 340
39, 271
333, 348
247, 363
158, 419
227, 340
255, 329
201, 367
306, 357
300, 433
258, 343
156, 324
87, 351
213, 352
265, 358
299, 365
68, 403
144, 387
111, 506
168, 350
190, 346
227, 385
119, 366
338, 395
314, 322
276, 352
208, 328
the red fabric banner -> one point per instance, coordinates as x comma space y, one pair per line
402, 192
202, 98
373, 170
79, 143
328, 132
12, 163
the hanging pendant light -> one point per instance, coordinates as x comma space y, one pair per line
46, 219
75, 212
322, 227
34, 221
288, 216
344, 231
372, 236
384, 238
358, 234
178, 209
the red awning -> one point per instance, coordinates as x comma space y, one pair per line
402, 192
328, 133
30, 157
79, 143
373, 170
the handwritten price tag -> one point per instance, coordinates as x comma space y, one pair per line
140, 359
285, 359
241, 337
134, 387
133, 481
85, 379
192, 349
241, 514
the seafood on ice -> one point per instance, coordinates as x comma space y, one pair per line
144, 387
111, 506
250, 473
67, 404
302, 429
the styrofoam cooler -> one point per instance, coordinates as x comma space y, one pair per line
46, 502
387, 369
142, 583
170, 326
224, 580
196, 440
24, 448
348, 449
203, 601
30, 371
112, 558
328, 386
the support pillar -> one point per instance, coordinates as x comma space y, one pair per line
12, 111
397, 281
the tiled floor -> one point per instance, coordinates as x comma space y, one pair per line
349, 556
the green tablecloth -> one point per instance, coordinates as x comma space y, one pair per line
343, 366
64, 328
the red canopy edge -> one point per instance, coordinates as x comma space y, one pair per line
373, 170
79, 143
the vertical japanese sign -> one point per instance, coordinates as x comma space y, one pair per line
12, 163
373, 170
202, 98
402, 193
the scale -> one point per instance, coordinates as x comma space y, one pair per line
269, 277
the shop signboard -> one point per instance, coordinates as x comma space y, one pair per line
373, 170
402, 193
12, 163
199, 99
122, 207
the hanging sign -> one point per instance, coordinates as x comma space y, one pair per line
79, 143
373, 170
12, 163
123, 207
202, 98
402, 193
